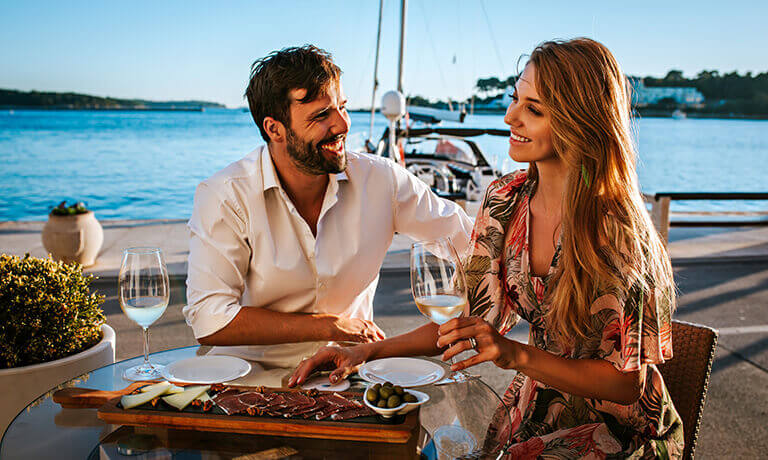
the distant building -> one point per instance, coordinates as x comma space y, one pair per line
645, 95
499, 102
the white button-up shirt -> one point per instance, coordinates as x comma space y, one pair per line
250, 248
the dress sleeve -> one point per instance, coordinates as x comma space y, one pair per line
482, 265
634, 328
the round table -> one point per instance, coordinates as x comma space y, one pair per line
46, 430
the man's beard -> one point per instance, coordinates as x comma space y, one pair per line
310, 158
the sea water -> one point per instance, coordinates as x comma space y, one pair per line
146, 165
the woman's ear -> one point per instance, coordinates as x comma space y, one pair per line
275, 130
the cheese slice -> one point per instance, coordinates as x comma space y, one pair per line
130, 401
171, 389
182, 400
204, 397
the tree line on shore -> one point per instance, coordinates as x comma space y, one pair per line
729, 93
34, 99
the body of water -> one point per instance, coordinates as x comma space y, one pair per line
146, 165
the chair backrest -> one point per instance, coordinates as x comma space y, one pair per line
686, 375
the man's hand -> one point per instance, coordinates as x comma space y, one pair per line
356, 330
343, 361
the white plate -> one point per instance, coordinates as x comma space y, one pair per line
405, 372
206, 369
323, 383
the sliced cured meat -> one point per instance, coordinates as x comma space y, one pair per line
253, 398
230, 405
289, 404
352, 413
299, 399
229, 402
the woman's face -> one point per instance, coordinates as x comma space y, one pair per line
530, 136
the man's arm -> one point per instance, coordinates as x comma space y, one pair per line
278, 327
422, 215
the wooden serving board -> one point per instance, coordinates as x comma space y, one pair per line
358, 429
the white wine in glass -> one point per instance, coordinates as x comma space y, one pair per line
143, 292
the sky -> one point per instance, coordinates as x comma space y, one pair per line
181, 50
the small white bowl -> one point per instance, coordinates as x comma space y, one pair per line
402, 409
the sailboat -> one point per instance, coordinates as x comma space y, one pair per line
447, 159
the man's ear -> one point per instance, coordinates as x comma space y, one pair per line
275, 130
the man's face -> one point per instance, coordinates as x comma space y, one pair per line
317, 132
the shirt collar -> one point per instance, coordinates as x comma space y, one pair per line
269, 174
268, 170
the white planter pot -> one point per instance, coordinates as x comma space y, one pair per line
19, 386
75, 238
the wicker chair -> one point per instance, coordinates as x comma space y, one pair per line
687, 375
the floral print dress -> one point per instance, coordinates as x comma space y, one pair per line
633, 330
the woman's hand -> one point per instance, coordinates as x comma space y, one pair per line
343, 361
491, 346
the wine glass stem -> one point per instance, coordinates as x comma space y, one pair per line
146, 346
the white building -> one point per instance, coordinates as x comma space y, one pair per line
645, 95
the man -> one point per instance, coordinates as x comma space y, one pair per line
286, 244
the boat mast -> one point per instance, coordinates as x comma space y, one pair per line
375, 72
403, 10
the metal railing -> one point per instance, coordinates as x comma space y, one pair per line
660, 210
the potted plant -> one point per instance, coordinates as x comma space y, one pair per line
72, 234
51, 329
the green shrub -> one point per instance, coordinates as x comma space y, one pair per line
63, 210
47, 311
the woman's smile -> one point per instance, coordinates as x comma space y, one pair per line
515, 138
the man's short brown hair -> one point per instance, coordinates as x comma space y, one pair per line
274, 76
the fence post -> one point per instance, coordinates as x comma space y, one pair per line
663, 204
659, 215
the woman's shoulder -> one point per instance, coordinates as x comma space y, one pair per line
508, 183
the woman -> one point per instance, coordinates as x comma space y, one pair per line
568, 246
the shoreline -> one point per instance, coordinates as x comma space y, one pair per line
642, 114
105, 109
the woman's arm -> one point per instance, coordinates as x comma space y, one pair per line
344, 361
589, 378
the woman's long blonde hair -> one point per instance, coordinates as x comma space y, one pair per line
609, 243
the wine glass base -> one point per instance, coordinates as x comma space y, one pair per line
453, 441
143, 372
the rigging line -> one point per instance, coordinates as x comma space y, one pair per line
367, 62
376, 70
364, 74
434, 52
459, 69
493, 39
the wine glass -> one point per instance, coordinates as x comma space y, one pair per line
439, 289
143, 293
437, 280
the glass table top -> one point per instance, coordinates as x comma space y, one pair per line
46, 430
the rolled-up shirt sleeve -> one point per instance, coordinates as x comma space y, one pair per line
422, 215
218, 262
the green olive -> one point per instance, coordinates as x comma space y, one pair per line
388, 384
382, 403
376, 387
386, 392
398, 390
410, 398
371, 395
393, 401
